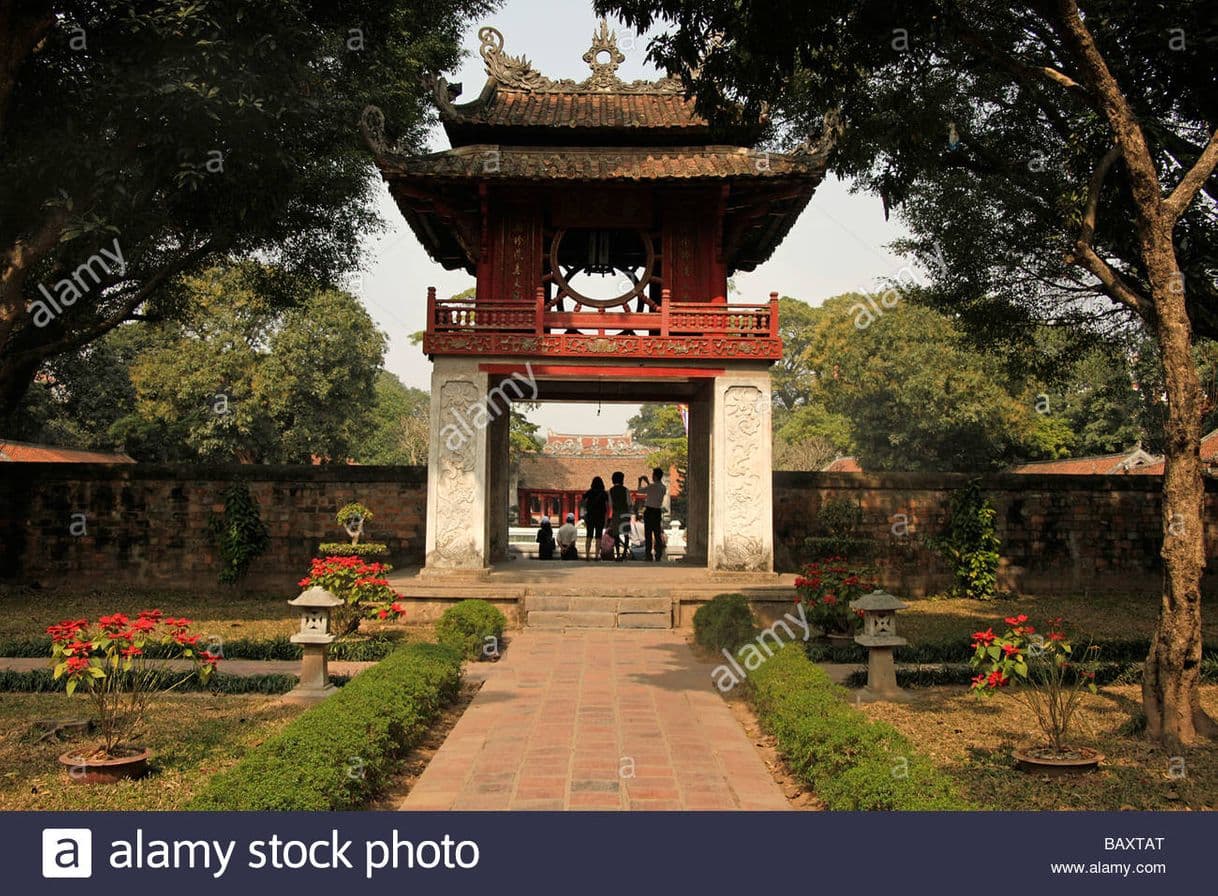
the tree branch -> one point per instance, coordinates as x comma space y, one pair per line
122, 314
1091, 210
1193, 180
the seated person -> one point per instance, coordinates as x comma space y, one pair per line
566, 538
545, 540
635, 538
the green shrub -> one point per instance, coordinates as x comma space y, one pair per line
345, 549
279, 648
40, 681
239, 534
340, 753
469, 627
725, 622
849, 761
971, 544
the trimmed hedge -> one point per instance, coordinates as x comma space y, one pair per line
467, 626
341, 549
959, 651
338, 754
40, 681
850, 762
962, 674
368, 650
726, 621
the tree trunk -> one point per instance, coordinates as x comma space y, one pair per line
1170, 692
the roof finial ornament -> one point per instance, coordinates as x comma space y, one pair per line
513, 71
604, 57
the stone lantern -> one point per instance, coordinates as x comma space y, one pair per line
880, 638
314, 638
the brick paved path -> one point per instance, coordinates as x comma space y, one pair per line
597, 720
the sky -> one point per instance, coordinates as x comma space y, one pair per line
838, 245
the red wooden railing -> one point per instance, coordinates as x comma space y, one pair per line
742, 321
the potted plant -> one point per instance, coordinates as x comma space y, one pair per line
352, 518
1051, 680
362, 587
109, 661
826, 589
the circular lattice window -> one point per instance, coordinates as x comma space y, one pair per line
627, 256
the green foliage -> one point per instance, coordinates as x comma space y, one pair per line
725, 622
474, 628
41, 681
837, 522
339, 754
239, 534
971, 544
345, 549
279, 648
401, 424
192, 133
851, 763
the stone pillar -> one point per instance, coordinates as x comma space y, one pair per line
457, 466
741, 474
498, 476
697, 478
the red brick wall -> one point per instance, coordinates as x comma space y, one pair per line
148, 525
1073, 534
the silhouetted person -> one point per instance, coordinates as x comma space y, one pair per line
619, 499
596, 508
545, 540
653, 516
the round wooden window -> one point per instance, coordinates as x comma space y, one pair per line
639, 290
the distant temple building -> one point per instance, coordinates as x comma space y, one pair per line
552, 482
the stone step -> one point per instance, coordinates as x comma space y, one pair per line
644, 620
645, 604
571, 619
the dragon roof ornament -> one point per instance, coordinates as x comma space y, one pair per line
603, 57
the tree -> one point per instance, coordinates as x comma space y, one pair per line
660, 427
145, 141
1048, 157
238, 377
401, 425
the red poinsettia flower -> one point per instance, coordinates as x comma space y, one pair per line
985, 638
77, 664
1010, 650
130, 651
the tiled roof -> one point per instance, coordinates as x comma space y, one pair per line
28, 452
1135, 461
496, 162
519, 108
1209, 457
845, 465
548, 471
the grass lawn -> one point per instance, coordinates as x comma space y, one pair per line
27, 612
971, 739
1099, 616
192, 737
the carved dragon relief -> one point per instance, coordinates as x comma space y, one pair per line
518, 72
743, 418
457, 490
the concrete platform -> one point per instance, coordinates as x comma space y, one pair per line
579, 594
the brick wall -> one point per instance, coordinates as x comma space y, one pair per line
1073, 534
148, 524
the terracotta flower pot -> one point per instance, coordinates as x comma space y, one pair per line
105, 771
1045, 761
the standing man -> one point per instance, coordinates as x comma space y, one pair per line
653, 515
619, 497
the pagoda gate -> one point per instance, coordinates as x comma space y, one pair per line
553, 187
